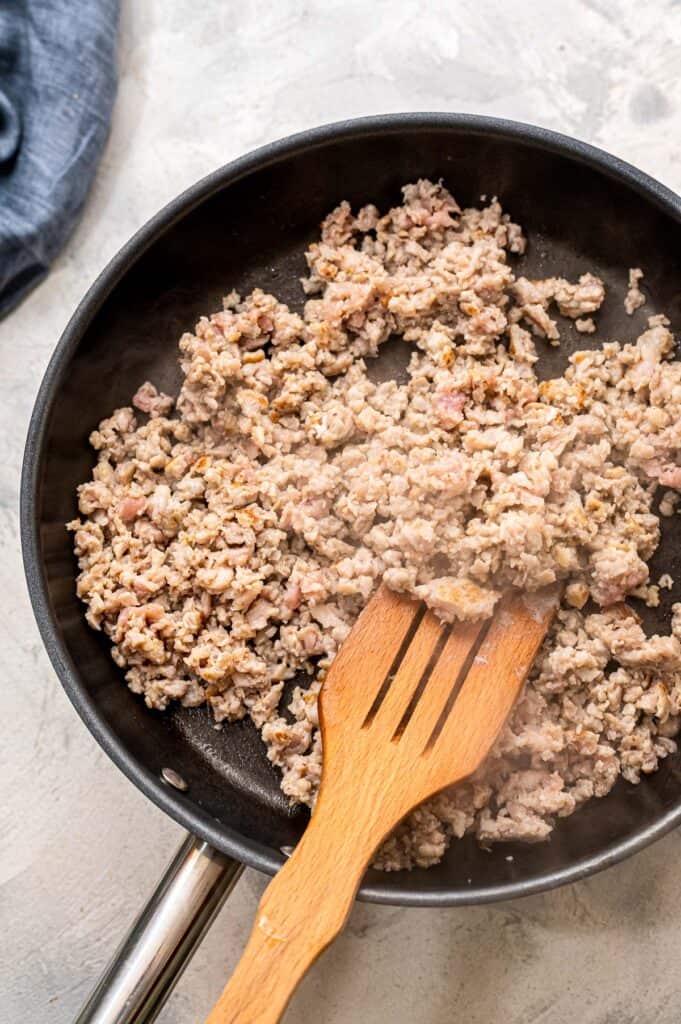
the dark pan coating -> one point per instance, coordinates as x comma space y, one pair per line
247, 225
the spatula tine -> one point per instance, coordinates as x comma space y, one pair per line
441, 685
407, 677
365, 659
494, 681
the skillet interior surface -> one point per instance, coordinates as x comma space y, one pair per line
248, 226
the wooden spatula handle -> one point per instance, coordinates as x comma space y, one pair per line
301, 912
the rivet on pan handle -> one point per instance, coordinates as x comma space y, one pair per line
161, 941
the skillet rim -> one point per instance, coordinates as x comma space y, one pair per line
177, 805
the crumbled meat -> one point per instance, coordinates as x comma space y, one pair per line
634, 298
148, 399
668, 503
573, 300
228, 540
453, 598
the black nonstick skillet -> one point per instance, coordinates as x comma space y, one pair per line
247, 225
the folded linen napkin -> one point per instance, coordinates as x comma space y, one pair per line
57, 87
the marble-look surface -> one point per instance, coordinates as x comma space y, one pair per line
80, 848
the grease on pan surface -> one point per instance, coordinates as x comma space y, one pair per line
229, 538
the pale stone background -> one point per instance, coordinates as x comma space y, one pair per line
201, 82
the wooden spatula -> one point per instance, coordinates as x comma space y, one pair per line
409, 706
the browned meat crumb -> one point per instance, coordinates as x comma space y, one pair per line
573, 300
668, 503
228, 540
634, 298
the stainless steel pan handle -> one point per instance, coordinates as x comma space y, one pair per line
161, 941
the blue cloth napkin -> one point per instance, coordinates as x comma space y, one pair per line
57, 88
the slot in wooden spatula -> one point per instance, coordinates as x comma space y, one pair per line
410, 706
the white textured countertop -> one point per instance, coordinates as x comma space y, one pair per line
80, 848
